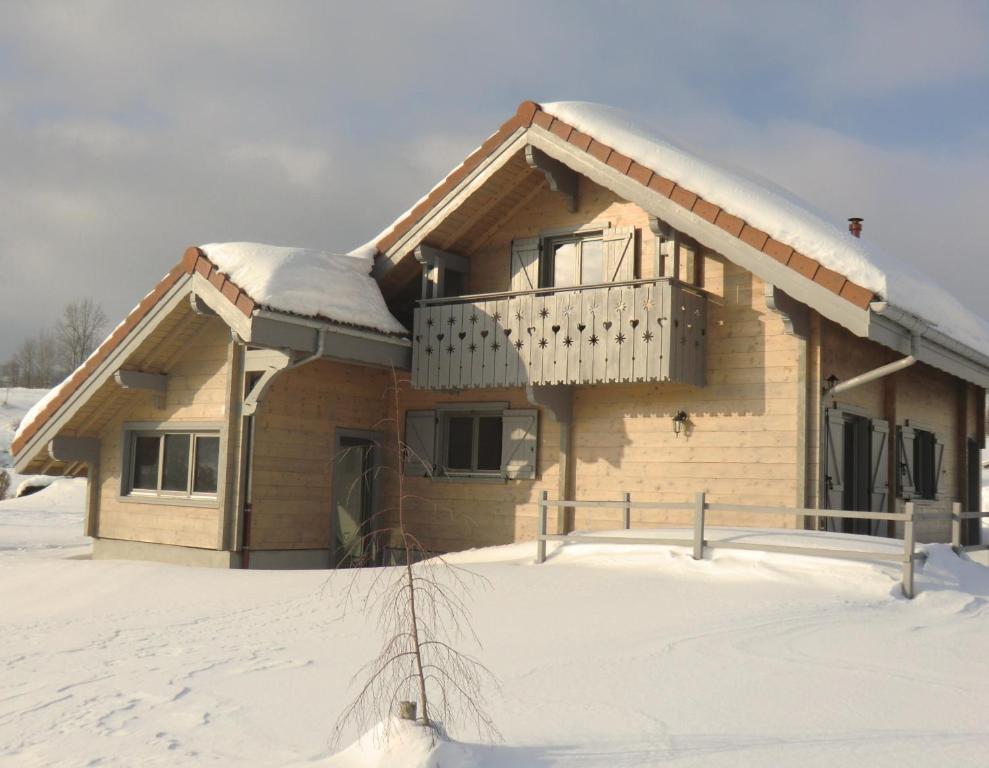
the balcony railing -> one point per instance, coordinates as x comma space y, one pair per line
646, 330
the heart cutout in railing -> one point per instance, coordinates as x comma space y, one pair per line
556, 329
531, 329
508, 331
462, 335
607, 325
439, 336
484, 334
581, 327
634, 323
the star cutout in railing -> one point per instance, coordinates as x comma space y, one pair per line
594, 339
449, 348
567, 342
473, 319
543, 343
620, 338
544, 313
647, 336
518, 344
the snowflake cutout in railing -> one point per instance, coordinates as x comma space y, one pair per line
544, 313
543, 343
429, 350
472, 347
429, 321
620, 338
568, 342
450, 320
648, 304
594, 308
496, 316
518, 344
647, 336
621, 305
568, 310
473, 319
495, 346
594, 339
518, 315
449, 349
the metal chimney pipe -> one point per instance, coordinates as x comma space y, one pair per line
855, 226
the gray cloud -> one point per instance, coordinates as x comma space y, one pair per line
131, 130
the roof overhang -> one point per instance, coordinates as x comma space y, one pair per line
829, 294
195, 281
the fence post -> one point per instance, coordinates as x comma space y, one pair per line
908, 544
956, 527
628, 511
541, 530
699, 527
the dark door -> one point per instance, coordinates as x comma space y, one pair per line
973, 496
858, 466
353, 503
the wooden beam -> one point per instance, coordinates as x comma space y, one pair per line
485, 235
151, 382
560, 178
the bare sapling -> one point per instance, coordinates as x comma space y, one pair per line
422, 614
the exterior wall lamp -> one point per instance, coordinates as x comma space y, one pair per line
679, 420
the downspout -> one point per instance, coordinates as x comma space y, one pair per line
248, 470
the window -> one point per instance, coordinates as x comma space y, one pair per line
573, 260
924, 465
473, 442
485, 440
173, 464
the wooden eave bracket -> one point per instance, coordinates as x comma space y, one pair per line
561, 178
75, 450
556, 398
156, 383
795, 314
272, 369
200, 307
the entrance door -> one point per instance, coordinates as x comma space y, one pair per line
855, 472
353, 542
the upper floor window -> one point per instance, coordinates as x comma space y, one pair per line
574, 260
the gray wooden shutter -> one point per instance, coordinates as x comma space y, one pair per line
525, 264
904, 463
519, 435
879, 473
619, 254
834, 458
938, 456
420, 443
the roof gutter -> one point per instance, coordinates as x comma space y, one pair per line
932, 343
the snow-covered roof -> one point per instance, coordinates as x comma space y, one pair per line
782, 215
307, 282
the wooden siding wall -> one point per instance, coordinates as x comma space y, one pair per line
295, 433
928, 397
742, 443
197, 392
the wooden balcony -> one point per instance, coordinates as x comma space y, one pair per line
645, 330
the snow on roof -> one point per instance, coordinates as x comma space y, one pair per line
308, 282
781, 215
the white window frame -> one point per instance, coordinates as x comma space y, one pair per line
187, 496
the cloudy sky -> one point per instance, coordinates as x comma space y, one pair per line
130, 130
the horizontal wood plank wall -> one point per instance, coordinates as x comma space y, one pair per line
450, 515
925, 396
197, 381
294, 448
740, 445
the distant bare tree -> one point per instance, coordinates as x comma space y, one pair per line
422, 611
47, 359
4, 484
26, 363
79, 330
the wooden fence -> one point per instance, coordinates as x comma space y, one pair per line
700, 507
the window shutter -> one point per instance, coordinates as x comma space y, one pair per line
938, 456
420, 443
834, 458
619, 254
905, 479
879, 475
525, 264
519, 433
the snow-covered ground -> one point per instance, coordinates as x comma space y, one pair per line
607, 656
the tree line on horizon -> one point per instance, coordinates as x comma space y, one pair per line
44, 359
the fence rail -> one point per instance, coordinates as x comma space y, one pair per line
699, 506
